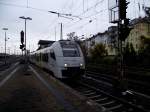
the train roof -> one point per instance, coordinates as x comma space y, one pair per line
62, 43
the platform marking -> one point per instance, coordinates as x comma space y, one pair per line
3, 72
8, 77
56, 93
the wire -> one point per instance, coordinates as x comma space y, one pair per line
87, 17
14, 5
90, 8
27, 3
77, 7
96, 13
87, 11
64, 6
23, 6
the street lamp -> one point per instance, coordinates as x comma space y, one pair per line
25, 18
5, 29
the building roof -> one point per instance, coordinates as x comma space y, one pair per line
45, 42
140, 20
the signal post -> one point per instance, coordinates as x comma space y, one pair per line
120, 18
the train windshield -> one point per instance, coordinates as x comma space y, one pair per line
70, 53
70, 49
68, 44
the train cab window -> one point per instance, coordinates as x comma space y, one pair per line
71, 53
52, 54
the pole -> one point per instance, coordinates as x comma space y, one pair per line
22, 53
61, 32
5, 47
83, 5
120, 47
25, 18
55, 33
25, 40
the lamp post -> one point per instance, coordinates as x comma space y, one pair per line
25, 18
5, 29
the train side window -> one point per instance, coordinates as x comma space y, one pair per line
45, 57
52, 54
40, 57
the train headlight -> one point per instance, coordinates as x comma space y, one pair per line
65, 65
81, 65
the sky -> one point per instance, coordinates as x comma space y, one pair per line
44, 24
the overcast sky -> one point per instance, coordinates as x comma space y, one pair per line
43, 23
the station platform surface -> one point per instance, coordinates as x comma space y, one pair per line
29, 89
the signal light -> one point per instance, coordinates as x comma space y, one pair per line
22, 46
22, 37
123, 5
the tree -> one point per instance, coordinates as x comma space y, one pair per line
144, 52
98, 52
72, 36
84, 50
147, 11
129, 54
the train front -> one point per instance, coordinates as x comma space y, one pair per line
73, 60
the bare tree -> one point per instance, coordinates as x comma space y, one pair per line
147, 11
72, 36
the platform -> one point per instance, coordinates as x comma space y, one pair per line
30, 89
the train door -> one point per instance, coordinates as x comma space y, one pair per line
52, 61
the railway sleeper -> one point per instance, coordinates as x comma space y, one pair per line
90, 94
115, 108
87, 91
95, 97
102, 99
108, 103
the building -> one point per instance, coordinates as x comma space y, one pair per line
112, 40
141, 28
107, 38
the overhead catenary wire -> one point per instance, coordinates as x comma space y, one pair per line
88, 9
82, 16
23, 6
27, 3
68, 26
85, 24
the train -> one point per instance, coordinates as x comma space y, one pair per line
64, 58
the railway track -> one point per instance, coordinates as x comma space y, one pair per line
133, 73
135, 85
105, 83
109, 102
